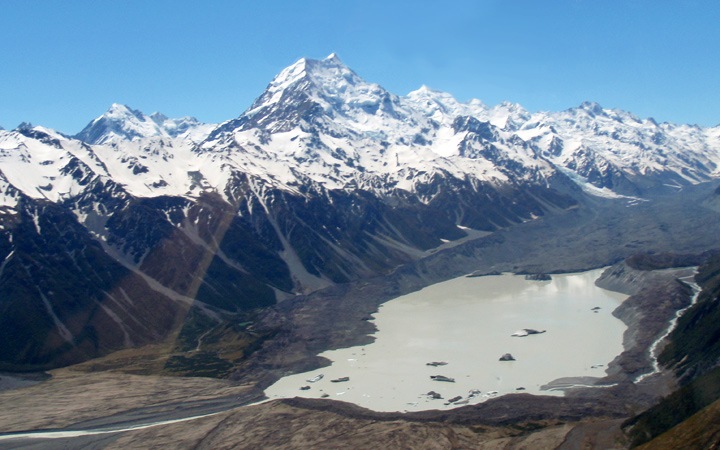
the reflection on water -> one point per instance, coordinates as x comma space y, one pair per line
467, 323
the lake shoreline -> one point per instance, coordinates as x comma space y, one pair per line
605, 404
353, 304
467, 323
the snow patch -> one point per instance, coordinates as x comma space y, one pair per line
62, 329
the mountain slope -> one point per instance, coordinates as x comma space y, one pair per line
140, 221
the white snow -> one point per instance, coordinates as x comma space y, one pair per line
591, 189
367, 138
127, 340
5, 261
62, 329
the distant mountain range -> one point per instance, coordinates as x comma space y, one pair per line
109, 238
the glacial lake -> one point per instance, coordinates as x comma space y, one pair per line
468, 323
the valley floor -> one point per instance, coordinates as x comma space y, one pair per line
101, 393
80, 398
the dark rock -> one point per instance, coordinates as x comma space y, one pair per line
483, 274
434, 395
507, 357
442, 378
526, 332
538, 277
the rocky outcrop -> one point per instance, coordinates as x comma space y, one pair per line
538, 277
442, 378
527, 332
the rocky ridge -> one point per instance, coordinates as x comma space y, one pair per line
140, 225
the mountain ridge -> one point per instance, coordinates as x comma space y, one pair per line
325, 179
304, 86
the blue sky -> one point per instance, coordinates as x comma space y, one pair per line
63, 63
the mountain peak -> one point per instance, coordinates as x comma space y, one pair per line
442, 106
120, 122
24, 126
309, 69
324, 86
592, 107
119, 111
158, 117
510, 106
333, 57
433, 102
425, 90
119, 107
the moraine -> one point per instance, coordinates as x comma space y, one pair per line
468, 322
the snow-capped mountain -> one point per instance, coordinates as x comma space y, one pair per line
318, 123
616, 150
318, 120
326, 178
442, 106
121, 123
607, 149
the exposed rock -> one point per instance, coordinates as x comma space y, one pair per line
526, 332
483, 274
442, 378
659, 261
538, 277
507, 357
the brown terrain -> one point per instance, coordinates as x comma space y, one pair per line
141, 387
122, 391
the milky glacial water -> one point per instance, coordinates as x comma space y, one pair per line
468, 322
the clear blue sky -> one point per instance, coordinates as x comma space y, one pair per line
62, 63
